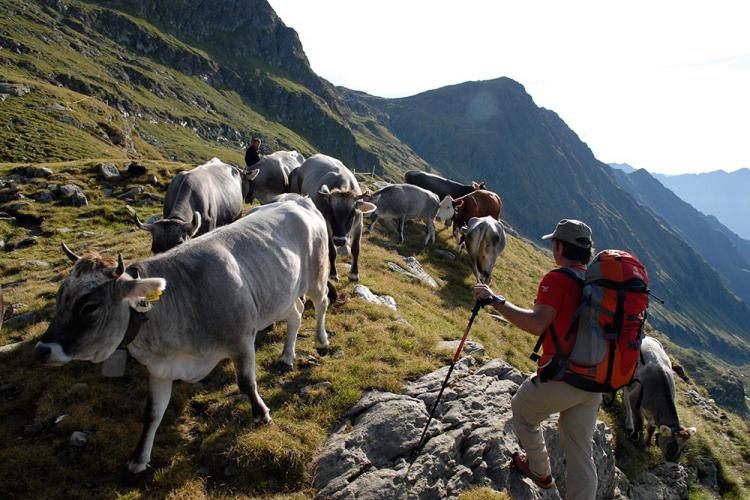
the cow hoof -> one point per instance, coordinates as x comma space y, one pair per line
323, 351
263, 420
334, 277
353, 277
130, 478
284, 368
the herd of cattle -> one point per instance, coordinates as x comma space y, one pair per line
245, 273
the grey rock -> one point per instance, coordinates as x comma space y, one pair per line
45, 196
470, 347
86, 234
153, 180
135, 191
2, 244
470, 441
413, 269
108, 172
364, 293
27, 242
74, 195
135, 169
55, 278
21, 320
78, 439
666, 481
14, 89
36, 263
22, 173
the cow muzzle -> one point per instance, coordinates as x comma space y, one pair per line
50, 354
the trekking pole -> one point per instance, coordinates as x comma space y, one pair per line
477, 306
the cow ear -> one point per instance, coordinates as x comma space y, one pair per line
251, 175
134, 290
665, 431
458, 203
324, 190
191, 228
464, 230
475, 185
365, 206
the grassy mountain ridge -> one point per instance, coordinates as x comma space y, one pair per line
493, 131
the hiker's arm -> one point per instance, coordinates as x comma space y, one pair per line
534, 321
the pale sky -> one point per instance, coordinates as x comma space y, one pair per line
659, 84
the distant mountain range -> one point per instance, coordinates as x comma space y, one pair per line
718, 193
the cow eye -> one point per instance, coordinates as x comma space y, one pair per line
89, 308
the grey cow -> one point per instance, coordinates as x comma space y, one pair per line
198, 201
336, 193
220, 290
270, 176
652, 395
485, 241
402, 202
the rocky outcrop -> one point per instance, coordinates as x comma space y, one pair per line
470, 441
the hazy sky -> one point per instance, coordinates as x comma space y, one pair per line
661, 85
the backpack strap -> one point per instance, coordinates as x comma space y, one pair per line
551, 329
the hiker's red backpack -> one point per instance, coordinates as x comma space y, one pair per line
608, 325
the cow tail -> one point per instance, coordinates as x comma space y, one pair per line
333, 294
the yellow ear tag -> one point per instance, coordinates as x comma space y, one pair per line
154, 296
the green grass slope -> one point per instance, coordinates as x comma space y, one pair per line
207, 445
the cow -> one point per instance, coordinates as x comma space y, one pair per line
441, 186
485, 241
402, 202
221, 289
336, 192
270, 176
198, 201
475, 204
652, 395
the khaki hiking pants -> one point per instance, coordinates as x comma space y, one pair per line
578, 410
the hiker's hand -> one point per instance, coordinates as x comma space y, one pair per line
482, 292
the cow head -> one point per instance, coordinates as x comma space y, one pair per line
340, 209
672, 442
477, 185
92, 310
248, 176
168, 233
446, 209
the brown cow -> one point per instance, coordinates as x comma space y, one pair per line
479, 203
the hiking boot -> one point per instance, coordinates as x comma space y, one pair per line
522, 465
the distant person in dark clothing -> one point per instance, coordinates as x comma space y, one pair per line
251, 155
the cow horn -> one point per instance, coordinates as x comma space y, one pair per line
72, 256
141, 225
193, 226
120, 266
252, 174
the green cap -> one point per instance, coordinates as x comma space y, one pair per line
571, 231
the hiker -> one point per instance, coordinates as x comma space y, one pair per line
557, 300
251, 154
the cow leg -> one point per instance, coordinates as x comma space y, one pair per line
159, 393
244, 367
649, 434
320, 302
401, 223
356, 237
332, 260
373, 220
430, 232
629, 426
477, 274
293, 321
